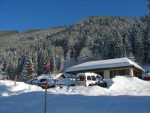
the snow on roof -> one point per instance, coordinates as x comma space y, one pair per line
104, 64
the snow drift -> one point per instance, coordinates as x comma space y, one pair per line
120, 85
8, 88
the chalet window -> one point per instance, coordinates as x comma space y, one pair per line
101, 73
124, 72
112, 73
137, 74
119, 72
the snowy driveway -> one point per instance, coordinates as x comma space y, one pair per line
32, 102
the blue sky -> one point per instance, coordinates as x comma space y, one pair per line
42, 14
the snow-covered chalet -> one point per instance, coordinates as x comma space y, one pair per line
109, 68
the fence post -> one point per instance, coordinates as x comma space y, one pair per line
45, 98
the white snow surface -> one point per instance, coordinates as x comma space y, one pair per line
120, 85
103, 64
8, 88
125, 94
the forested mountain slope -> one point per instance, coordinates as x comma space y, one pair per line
93, 38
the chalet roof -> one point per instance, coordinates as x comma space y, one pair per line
104, 64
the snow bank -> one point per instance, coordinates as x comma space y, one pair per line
120, 85
30, 98
8, 88
126, 85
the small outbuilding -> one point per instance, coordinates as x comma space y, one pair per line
109, 68
147, 76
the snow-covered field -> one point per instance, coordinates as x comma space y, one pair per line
124, 95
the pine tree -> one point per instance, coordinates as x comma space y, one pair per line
11, 72
28, 70
42, 59
131, 56
85, 55
4, 68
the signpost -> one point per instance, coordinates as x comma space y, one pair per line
45, 98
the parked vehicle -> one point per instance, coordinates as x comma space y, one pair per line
90, 79
46, 76
32, 81
100, 81
50, 83
64, 79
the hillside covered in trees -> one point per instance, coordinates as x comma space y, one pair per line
94, 38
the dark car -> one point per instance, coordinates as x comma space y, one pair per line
100, 81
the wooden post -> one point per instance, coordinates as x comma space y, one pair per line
15, 80
131, 71
54, 65
45, 98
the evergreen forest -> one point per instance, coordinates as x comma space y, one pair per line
26, 54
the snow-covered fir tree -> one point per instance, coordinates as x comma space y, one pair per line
131, 57
28, 70
3, 68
